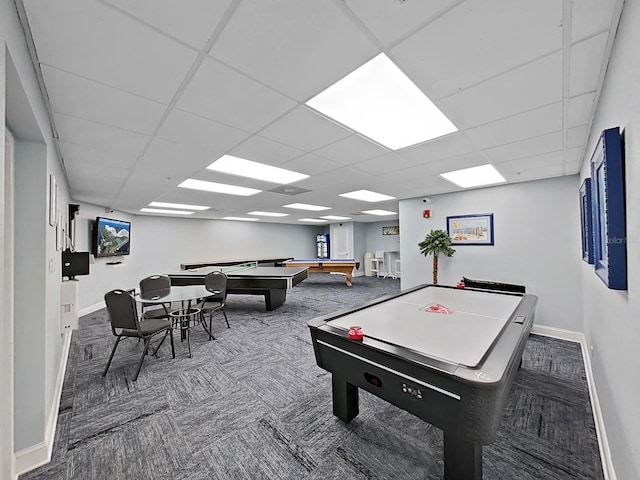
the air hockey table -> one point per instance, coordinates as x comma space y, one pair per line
447, 355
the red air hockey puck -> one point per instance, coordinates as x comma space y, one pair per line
355, 333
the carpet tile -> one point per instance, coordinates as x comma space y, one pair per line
253, 404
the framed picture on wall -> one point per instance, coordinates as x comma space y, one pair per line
608, 207
586, 221
53, 200
471, 229
391, 230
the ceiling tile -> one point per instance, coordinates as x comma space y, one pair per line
192, 21
298, 47
304, 130
264, 150
527, 87
183, 127
219, 93
577, 136
519, 127
530, 168
477, 41
390, 21
384, 164
311, 164
443, 147
173, 160
350, 150
525, 148
99, 136
580, 108
589, 17
104, 45
587, 63
72, 152
78, 97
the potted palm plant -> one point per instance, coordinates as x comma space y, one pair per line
438, 241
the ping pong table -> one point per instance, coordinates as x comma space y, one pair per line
249, 279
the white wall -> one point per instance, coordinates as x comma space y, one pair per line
612, 318
377, 241
37, 336
161, 244
537, 243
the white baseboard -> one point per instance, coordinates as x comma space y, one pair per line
36, 455
603, 443
92, 308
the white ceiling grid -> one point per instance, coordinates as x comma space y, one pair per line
147, 93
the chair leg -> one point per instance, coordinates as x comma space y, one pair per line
173, 350
189, 339
203, 321
111, 356
225, 317
155, 350
144, 354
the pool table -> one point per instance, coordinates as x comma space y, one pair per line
248, 279
327, 266
447, 355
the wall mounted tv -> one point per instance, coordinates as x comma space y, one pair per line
111, 237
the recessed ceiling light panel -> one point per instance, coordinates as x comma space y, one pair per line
178, 205
335, 217
268, 214
474, 176
171, 212
305, 206
367, 196
218, 187
380, 213
241, 219
380, 102
246, 168
312, 220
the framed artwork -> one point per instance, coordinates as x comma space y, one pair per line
471, 229
608, 207
53, 200
586, 221
391, 230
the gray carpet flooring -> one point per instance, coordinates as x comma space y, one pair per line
253, 404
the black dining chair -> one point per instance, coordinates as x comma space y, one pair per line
125, 323
156, 284
216, 283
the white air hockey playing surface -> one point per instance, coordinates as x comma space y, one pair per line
457, 326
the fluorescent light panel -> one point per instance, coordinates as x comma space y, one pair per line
171, 212
305, 206
177, 205
246, 168
380, 213
312, 220
380, 102
268, 214
241, 219
474, 176
335, 217
218, 187
367, 196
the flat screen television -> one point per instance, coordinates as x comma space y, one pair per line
111, 237
75, 263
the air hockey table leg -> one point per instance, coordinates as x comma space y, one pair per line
345, 399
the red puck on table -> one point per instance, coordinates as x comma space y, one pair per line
355, 333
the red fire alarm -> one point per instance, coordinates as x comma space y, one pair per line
426, 213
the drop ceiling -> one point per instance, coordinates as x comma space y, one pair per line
145, 94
